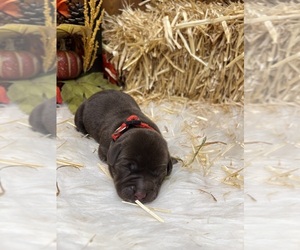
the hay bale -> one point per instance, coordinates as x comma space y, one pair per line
183, 48
272, 48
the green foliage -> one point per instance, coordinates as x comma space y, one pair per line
27, 94
74, 92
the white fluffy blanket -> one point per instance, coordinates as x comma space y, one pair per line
199, 209
27, 192
201, 203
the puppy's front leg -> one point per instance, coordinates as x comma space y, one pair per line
102, 153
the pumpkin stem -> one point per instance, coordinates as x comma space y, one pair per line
62, 45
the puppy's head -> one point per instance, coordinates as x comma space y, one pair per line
139, 161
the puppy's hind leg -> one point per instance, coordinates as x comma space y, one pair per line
78, 119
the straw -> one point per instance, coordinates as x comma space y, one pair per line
190, 49
149, 211
272, 52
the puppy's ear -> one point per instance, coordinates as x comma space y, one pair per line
113, 153
169, 167
174, 160
171, 162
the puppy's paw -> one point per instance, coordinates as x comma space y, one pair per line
102, 155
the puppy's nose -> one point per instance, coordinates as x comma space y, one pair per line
139, 195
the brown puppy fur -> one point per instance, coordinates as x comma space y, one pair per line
139, 159
43, 117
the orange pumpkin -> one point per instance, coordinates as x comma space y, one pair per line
62, 7
18, 65
10, 7
69, 65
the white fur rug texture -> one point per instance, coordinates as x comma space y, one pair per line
27, 192
272, 177
200, 211
203, 203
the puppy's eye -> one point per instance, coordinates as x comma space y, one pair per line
159, 173
131, 166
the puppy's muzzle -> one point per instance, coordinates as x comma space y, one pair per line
141, 190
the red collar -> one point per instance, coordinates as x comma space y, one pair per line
131, 122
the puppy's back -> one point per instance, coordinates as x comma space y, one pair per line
110, 102
113, 99
104, 111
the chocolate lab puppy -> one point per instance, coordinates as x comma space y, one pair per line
132, 145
